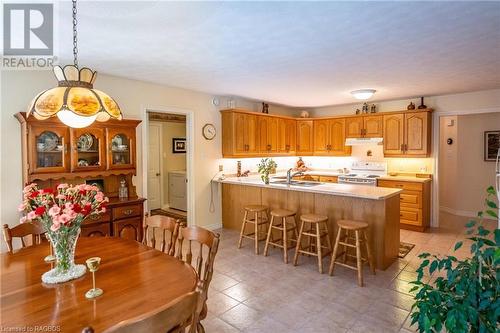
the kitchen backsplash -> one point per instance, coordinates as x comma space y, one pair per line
406, 165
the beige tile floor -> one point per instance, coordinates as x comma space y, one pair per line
253, 293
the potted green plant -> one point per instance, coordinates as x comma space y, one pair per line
266, 166
465, 297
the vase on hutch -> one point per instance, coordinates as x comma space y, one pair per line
61, 213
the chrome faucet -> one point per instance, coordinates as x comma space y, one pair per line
290, 175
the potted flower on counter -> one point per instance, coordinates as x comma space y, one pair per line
266, 166
61, 213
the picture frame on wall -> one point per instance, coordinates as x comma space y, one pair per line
178, 145
491, 145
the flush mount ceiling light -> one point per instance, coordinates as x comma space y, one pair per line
75, 101
363, 93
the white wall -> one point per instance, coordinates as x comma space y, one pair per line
19, 87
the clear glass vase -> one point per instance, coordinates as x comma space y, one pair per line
64, 244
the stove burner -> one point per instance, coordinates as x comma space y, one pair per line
351, 175
372, 176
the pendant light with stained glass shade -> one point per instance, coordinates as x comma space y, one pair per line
75, 101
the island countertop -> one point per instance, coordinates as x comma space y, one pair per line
348, 190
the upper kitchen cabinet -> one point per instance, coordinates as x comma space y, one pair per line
364, 127
329, 137
287, 136
240, 134
373, 126
52, 150
305, 137
408, 134
354, 127
268, 134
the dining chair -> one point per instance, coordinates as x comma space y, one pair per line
208, 243
164, 224
22, 230
173, 317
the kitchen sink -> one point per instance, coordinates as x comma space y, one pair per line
296, 183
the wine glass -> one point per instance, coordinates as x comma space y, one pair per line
93, 265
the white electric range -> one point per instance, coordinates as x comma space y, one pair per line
364, 173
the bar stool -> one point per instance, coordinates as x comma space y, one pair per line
284, 226
318, 228
359, 229
258, 219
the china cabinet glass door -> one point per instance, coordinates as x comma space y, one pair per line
121, 148
49, 153
88, 149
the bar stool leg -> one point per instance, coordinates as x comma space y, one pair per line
328, 241
242, 232
269, 232
319, 252
369, 253
299, 241
358, 259
285, 241
256, 231
334, 253
346, 248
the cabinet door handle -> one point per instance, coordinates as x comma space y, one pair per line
402, 147
128, 212
287, 147
95, 217
406, 147
398, 185
268, 147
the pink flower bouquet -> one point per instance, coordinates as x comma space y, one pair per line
61, 213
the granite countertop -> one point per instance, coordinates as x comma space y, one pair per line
348, 190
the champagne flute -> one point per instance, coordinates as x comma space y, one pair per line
93, 265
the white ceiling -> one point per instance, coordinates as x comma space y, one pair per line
293, 53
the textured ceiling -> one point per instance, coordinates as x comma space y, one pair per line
293, 53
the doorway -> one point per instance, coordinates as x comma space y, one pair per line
167, 176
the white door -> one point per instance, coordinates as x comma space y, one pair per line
154, 166
177, 190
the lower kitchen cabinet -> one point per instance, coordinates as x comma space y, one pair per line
415, 202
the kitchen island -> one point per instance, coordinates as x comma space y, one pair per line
377, 206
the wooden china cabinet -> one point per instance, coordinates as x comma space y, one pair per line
104, 153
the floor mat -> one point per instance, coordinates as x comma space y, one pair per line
404, 249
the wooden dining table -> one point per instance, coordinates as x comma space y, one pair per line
136, 279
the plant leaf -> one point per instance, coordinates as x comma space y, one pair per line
458, 245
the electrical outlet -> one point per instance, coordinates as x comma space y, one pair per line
221, 168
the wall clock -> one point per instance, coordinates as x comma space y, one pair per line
209, 131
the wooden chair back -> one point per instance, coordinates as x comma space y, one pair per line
172, 318
22, 230
166, 225
207, 244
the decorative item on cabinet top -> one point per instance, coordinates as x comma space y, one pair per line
52, 150
251, 134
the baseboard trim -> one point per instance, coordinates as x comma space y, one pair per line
465, 213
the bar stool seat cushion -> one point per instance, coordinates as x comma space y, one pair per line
282, 212
352, 225
255, 208
313, 218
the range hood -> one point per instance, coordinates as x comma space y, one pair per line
363, 141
